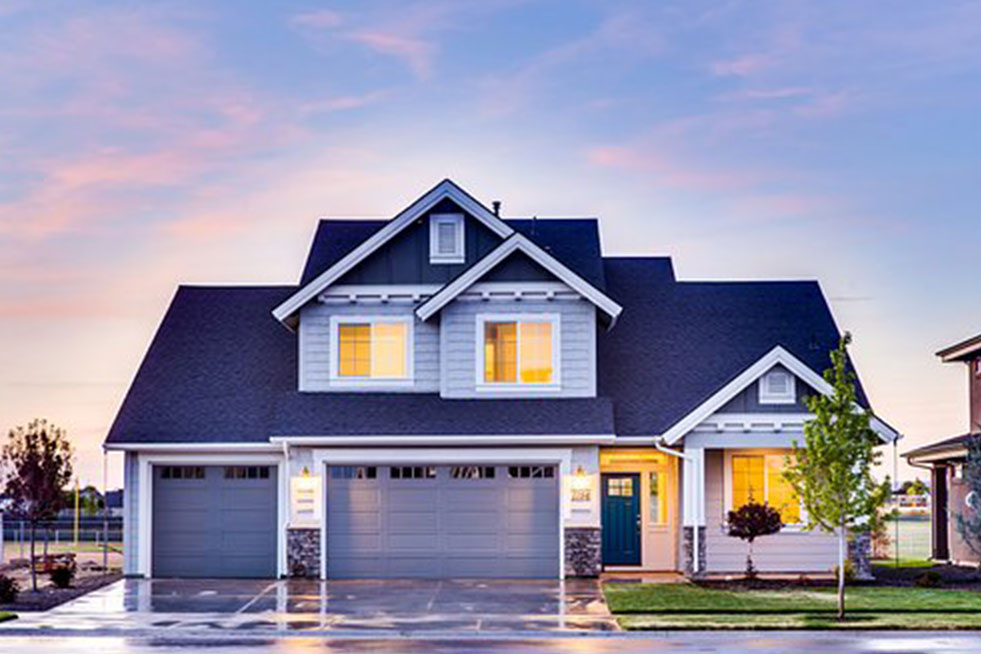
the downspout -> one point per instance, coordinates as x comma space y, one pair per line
695, 558
284, 526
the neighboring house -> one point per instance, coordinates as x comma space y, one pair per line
114, 502
945, 460
453, 394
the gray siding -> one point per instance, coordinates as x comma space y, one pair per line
783, 552
131, 513
315, 354
748, 401
577, 350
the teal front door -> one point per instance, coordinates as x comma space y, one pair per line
621, 519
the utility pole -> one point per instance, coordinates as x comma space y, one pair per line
76, 514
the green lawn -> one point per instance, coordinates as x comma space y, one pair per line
688, 606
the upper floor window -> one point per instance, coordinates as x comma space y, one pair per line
777, 387
371, 348
518, 351
446, 238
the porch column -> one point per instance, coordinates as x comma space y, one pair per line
693, 518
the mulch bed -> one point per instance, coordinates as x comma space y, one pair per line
951, 576
49, 597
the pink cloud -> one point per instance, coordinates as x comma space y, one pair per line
743, 66
416, 53
827, 105
319, 19
342, 103
667, 171
778, 93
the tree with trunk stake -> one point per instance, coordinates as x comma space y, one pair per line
832, 471
37, 465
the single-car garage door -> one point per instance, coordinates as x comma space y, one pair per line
442, 521
214, 521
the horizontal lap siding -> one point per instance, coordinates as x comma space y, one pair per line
315, 346
783, 552
577, 353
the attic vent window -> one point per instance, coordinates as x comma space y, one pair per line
777, 387
446, 238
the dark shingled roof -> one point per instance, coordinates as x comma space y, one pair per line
677, 343
222, 369
573, 241
405, 414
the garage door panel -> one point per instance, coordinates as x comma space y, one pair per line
364, 499
214, 524
491, 526
414, 522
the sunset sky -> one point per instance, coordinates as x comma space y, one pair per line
145, 145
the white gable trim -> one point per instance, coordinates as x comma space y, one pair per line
443, 190
777, 355
514, 243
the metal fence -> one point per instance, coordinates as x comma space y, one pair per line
58, 536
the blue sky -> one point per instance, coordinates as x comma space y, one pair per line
144, 145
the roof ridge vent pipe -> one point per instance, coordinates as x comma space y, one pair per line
496, 205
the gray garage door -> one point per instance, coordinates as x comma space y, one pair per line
214, 521
442, 521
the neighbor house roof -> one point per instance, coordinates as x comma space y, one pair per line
222, 369
952, 445
962, 350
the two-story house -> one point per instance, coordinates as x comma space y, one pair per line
450, 393
945, 459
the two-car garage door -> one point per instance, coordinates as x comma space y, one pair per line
442, 521
382, 521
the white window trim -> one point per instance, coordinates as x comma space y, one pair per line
792, 528
459, 253
338, 381
766, 397
517, 386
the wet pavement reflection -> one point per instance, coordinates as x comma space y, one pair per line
358, 606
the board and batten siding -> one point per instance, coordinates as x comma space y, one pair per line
577, 347
131, 513
315, 354
813, 551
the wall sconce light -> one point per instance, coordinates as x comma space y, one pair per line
580, 485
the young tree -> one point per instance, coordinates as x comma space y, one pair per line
917, 487
969, 522
832, 471
749, 522
37, 465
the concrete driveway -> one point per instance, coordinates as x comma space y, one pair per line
137, 606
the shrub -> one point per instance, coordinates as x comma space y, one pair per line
929, 579
751, 521
62, 576
8, 589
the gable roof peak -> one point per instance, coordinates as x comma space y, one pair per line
286, 312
